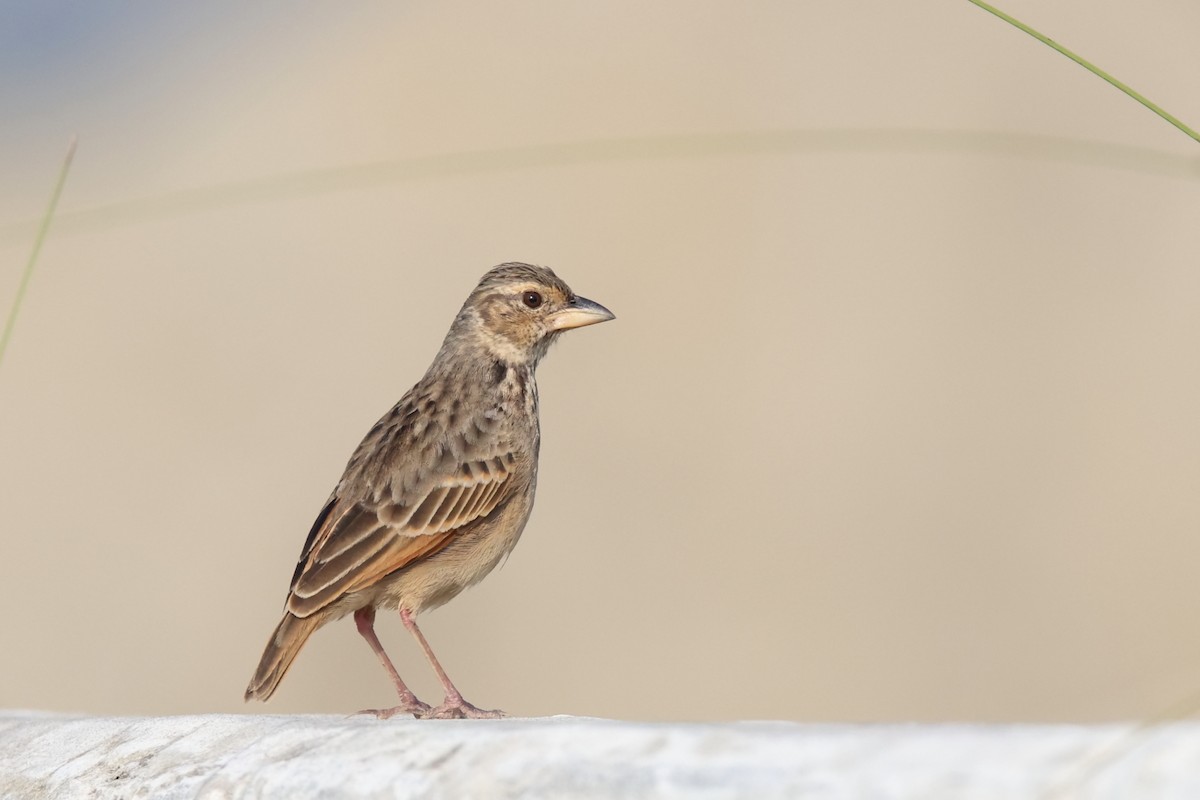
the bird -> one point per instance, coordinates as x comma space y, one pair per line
440, 489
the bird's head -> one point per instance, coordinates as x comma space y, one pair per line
517, 310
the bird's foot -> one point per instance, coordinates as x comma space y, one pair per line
416, 708
458, 708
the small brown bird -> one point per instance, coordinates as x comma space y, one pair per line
440, 489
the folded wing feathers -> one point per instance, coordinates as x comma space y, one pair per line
351, 528
477, 500
445, 507
419, 522
460, 499
330, 570
366, 543
455, 517
394, 554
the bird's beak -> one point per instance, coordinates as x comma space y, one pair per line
578, 313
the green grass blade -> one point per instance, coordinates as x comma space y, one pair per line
1090, 67
11, 321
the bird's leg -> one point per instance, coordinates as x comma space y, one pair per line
364, 618
454, 706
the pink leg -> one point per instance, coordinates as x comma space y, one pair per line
454, 706
364, 618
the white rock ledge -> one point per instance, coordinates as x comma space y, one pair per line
232, 756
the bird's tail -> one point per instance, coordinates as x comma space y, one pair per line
285, 643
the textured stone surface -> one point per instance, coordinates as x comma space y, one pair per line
230, 756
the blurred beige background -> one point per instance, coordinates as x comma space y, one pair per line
898, 420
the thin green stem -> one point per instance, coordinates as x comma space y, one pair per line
1090, 67
43, 229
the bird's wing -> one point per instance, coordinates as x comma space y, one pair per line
356, 542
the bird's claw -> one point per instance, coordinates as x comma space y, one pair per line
418, 710
461, 709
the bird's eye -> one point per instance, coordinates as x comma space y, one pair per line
532, 299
